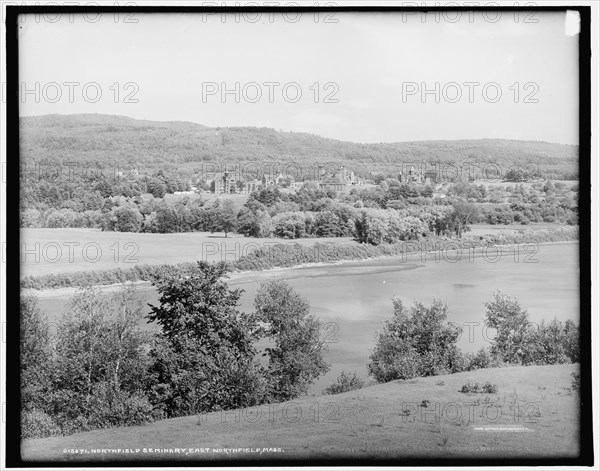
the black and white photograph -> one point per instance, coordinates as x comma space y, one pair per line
299, 234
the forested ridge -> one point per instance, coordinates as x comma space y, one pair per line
86, 138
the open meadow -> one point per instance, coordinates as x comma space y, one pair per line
46, 251
68, 250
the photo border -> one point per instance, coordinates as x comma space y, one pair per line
13, 426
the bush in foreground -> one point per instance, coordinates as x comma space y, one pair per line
420, 343
519, 341
344, 383
416, 343
37, 424
486, 388
575, 381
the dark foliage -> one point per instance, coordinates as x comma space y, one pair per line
204, 357
296, 359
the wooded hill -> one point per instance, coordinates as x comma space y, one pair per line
87, 138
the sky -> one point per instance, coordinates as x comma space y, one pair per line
360, 77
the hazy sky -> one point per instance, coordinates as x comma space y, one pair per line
360, 78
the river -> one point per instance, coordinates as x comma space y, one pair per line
352, 299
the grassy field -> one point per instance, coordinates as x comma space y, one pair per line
534, 413
46, 251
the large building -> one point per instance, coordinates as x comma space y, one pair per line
268, 181
339, 180
226, 183
414, 176
342, 180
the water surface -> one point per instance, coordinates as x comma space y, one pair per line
352, 299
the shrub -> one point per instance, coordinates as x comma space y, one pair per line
110, 407
457, 362
36, 355
519, 341
37, 424
30, 217
549, 344
345, 383
470, 388
575, 381
570, 340
479, 360
489, 388
415, 343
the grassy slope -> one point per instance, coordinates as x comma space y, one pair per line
368, 423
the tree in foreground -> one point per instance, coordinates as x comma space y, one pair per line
415, 343
511, 322
296, 359
203, 359
96, 370
36, 364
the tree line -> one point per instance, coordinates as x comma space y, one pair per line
309, 212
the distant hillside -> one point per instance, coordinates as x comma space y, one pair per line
93, 137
